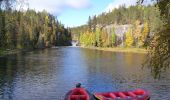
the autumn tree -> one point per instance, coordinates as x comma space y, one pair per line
104, 39
143, 39
129, 38
137, 32
159, 55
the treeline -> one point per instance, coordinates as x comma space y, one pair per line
30, 29
142, 22
136, 36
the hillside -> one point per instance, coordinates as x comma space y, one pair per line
127, 27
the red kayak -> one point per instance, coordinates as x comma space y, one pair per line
126, 95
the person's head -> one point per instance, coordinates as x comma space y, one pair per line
78, 85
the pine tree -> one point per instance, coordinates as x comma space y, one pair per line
94, 23
97, 36
3, 36
89, 24
113, 39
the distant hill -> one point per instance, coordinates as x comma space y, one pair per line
122, 16
134, 24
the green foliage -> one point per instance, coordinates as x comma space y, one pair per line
97, 33
99, 39
31, 30
2, 29
113, 38
89, 24
135, 16
88, 39
159, 55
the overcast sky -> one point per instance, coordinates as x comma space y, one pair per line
76, 12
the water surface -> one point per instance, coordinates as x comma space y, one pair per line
48, 74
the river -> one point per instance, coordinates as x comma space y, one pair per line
48, 74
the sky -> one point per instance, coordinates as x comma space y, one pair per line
74, 13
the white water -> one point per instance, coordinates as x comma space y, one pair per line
74, 43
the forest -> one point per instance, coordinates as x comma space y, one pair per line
136, 26
140, 22
30, 29
149, 27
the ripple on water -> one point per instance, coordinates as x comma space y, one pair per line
48, 74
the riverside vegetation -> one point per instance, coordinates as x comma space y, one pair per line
126, 27
144, 27
29, 29
147, 27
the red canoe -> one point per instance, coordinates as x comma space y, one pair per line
77, 94
126, 95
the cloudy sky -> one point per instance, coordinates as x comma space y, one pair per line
76, 12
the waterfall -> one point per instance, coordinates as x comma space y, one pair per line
74, 43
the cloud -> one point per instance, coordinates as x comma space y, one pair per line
117, 3
57, 6
78, 4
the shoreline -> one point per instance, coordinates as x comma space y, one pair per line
14, 51
118, 49
114, 49
8, 52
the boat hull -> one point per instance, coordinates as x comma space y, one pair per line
78, 94
125, 95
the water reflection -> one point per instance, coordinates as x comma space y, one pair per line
48, 74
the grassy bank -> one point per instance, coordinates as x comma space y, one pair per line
119, 49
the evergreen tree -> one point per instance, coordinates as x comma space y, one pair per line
97, 37
113, 38
93, 23
89, 24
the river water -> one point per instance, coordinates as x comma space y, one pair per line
48, 74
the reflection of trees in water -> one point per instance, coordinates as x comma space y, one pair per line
134, 58
128, 58
110, 62
35, 66
7, 77
25, 67
123, 69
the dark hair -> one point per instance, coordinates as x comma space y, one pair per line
78, 85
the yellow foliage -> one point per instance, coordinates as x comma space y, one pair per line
144, 34
137, 30
145, 31
46, 18
129, 38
